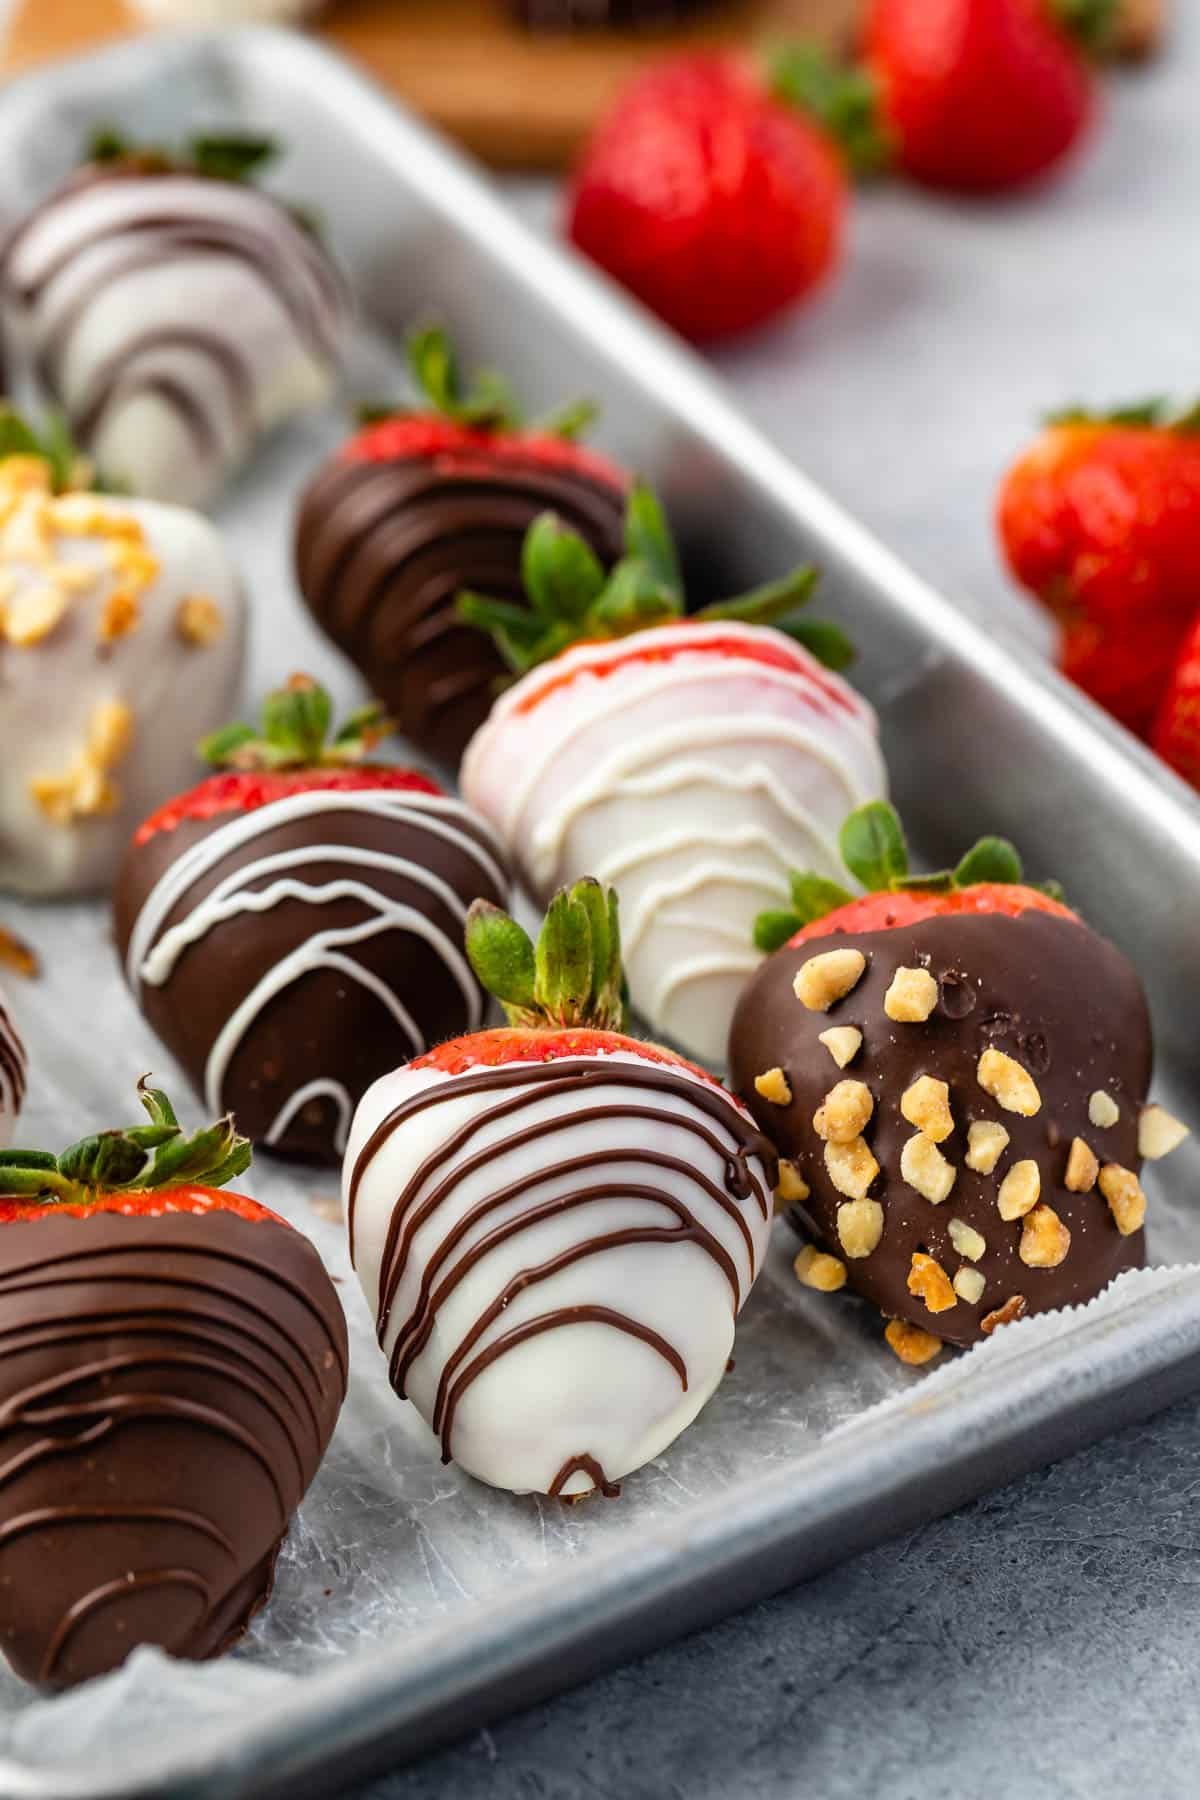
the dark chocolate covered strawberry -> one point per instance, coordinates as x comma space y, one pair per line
955, 1070
422, 504
292, 926
555, 1225
172, 1363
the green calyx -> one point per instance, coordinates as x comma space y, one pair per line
572, 599
1156, 414
1092, 24
295, 733
53, 444
875, 850
136, 1160
571, 978
219, 156
843, 99
486, 401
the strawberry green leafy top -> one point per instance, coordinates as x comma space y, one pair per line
571, 978
572, 599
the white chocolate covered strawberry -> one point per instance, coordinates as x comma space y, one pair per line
121, 627
555, 1225
691, 764
174, 310
12, 1073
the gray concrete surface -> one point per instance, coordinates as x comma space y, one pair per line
1045, 1642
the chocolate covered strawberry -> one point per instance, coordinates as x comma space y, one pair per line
1100, 520
954, 1068
172, 1364
13, 1067
689, 763
555, 1226
292, 926
419, 505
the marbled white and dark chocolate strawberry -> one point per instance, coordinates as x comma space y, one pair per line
172, 1363
418, 506
13, 1068
955, 1069
555, 1226
174, 311
292, 927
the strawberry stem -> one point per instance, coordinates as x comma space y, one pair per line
571, 978
219, 156
875, 850
571, 599
843, 100
296, 723
1092, 24
133, 1160
53, 445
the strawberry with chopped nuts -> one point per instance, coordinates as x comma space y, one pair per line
130, 614
954, 1068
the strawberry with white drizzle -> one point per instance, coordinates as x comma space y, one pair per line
12, 1073
555, 1225
690, 763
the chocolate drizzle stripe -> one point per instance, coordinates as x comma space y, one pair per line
114, 377
584, 1465
109, 1590
46, 1276
404, 1225
53, 1516
416, 1331
573, 1075
12, 1065
557, 1320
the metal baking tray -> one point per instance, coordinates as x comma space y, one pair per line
412, 1604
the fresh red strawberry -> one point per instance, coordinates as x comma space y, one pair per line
954, 1067
418, 437
714, 203
292, 756
1177, 727
981, 95
174, 1360
1100, 520
510, 1187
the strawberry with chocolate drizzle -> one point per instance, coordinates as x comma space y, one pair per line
172, 1365
954, 1068
420, 504
688, 761
555, 1225
291, 926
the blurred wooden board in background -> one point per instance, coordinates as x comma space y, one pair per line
517, 100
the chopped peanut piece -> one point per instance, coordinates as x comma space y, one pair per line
816, 1270
851, 1168
925, 1168
1082, 1168
911, 997
1103, 1110
1015, 1307
792, 1185
119, 616
966, 1240
1011, 1086
199, 620
859, 1226
912, 1345
30, 617
1126, 1201
1045, 1240
926, 1104
17, 955
969, 1285
73, 577
987, 1141
25, 475
929, 1282
772, 1085
843, 1043
846, 1111
1159, 1133
1020, 1190
110, 733
829, 977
